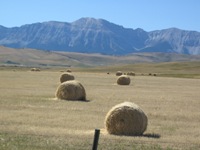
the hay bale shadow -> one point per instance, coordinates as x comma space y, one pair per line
84, 101
151, 135
147, 135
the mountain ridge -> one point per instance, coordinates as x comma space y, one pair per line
90, 35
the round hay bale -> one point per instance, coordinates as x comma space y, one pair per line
119, 73
71, 90
66, 77
68, 70
131, 73
126, 119
123, 80
35, 69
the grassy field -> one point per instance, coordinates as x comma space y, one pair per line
31, 117
167, 69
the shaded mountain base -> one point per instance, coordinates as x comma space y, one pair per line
31, 57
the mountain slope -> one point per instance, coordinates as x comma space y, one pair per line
185, 42
41, 58
89, 35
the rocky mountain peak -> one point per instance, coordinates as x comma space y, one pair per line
90, 35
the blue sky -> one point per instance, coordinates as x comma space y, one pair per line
146, 14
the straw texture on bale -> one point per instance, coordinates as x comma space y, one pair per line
66, 77
126, 119
119, 73
123, 80
71, 90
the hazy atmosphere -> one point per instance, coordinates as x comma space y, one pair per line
145, 14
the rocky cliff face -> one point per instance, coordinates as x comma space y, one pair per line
176, 40
89, 35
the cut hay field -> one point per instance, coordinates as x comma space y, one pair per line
31, 117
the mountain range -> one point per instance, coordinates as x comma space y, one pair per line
89, 35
